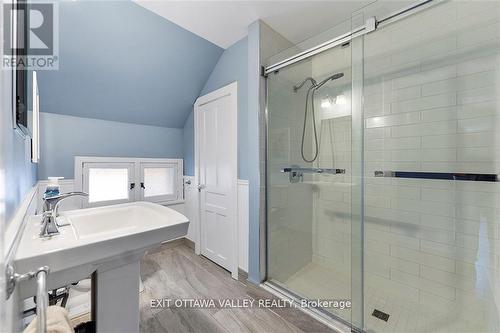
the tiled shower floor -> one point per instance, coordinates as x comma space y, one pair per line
319, 281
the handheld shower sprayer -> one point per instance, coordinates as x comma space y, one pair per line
312, 89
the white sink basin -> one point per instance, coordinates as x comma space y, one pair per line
107, 242
118, 220
96, 235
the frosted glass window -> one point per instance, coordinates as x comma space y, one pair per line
159, 181
106, 184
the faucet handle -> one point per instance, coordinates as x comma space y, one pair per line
46, 215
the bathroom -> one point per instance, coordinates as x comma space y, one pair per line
357, 146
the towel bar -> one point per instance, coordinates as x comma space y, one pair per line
42, 301
42, 298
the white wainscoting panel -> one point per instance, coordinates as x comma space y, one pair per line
68, 185
15, 228
191, 206
243, 232
188, 208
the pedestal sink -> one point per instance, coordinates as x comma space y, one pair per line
107, 243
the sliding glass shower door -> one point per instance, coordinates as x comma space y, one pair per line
309, 179
431, 88
382, 183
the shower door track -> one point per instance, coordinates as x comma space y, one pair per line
370, 25
325, 317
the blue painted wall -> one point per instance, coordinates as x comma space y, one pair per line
119, 61
119, 64
188, 145
232, 66
65, 137
17, 173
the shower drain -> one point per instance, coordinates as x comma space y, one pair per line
380, 315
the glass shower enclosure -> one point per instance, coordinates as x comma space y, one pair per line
382, 172
309, 177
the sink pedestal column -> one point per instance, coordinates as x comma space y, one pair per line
115, 298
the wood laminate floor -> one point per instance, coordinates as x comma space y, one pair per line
173, 271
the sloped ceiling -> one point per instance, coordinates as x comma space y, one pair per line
225, 22
121, 62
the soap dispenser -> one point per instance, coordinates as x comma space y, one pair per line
52, 188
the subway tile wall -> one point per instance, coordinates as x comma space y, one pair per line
431, 90
289, 227
431, 247
332, 255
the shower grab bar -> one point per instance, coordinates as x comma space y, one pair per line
477, 177
312, 170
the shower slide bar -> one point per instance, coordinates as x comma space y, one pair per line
371, 24
312, 170
476, 177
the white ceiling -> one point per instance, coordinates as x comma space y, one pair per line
225, 22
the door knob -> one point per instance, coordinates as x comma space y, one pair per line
200, 187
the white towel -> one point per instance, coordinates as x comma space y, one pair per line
57, 321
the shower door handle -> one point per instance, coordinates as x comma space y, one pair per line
477, 177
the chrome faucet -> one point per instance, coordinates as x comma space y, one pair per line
50, 213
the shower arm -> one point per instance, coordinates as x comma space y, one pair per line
297, 87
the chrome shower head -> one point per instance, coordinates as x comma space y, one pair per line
336, 76
314, 84
332, 77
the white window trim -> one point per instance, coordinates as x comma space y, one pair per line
81, 160
129, 166
178, 191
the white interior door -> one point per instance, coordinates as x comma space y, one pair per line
216, 174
